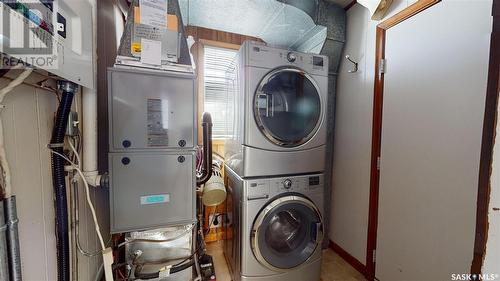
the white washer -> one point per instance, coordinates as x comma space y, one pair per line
280, 112
276, 228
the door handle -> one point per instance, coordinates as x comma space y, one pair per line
250, 198
318, 229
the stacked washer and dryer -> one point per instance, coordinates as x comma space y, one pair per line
275, 164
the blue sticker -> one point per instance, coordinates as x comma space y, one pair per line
155, 199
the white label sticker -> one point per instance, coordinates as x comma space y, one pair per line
150, 51
154, 12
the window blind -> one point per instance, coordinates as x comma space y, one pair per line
220, 89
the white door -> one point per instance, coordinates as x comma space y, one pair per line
433, 110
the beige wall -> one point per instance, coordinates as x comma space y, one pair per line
28, 119
353, 125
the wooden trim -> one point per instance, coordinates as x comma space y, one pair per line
355, 263
207, 42
488, 142
376, 146
378, 97
407, 13
350, 5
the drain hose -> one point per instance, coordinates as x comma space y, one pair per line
59, 182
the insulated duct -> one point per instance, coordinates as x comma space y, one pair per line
286, 24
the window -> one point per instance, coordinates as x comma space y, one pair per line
220, 89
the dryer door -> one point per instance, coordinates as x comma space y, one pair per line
286, 233
287, 107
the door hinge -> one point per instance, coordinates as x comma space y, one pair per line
378, 163
383, 66
374, 255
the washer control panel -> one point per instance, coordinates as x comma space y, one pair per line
297, 183
258, 189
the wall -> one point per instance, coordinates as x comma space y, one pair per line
28, 119
353, 132
353, 125
492, 259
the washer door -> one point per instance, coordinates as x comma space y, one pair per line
287, 107
286, 233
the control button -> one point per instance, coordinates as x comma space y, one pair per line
291, 57
125, 160
287, 184
126, 143
182, 143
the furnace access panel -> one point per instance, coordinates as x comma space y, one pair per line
151, 109
152, 148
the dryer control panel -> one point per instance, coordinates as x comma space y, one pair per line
263, 56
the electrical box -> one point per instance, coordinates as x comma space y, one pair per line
151, 109
54, 35
151, 190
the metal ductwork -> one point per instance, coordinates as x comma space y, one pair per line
287, 24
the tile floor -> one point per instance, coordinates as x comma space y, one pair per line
334, 267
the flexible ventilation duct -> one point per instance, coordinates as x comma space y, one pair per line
282, 24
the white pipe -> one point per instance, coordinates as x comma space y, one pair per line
89, 126
89, 108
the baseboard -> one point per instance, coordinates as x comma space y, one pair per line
348, 258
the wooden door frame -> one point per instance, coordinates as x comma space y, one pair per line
488, 142
378, 94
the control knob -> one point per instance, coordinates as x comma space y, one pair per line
287, 184
291, 57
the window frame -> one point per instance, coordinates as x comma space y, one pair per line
217, 142
201, 92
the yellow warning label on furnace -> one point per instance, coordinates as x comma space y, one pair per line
136, 47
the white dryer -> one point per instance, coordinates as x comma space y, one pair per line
280, 105
276, 229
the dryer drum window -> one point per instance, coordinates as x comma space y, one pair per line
287, 107
287, 234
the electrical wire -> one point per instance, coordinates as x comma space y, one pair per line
5, 174
75, 148
87, 193
89, 201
